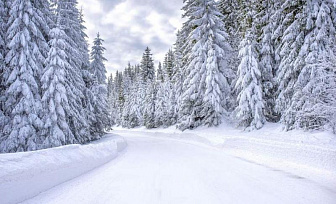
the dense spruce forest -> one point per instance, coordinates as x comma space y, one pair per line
53, 91
246, 62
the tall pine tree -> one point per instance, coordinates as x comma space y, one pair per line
99, 88
207, 92
55, 101
75, 85
250, 110
23, 99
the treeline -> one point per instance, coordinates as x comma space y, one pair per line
247, 61
50, 93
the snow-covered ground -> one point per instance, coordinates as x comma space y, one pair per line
207, 165
25, 175
310, 154
164, 170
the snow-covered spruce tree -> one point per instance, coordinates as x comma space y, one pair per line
120, 97
111, 99
159, 74
43, 16
313, 105
56, 131
207, 92
127, 79
3, 28
99, 87
149, 106
290, 62
267, 60
168, 65
110, 86
83, 44
231, 10
177, 78
146, 88
250, 110
48, 17
89, 104
89, 79
162, 105
101, 110
23, 99
134, 102
97, 65
147, 66
168, 91
75, 85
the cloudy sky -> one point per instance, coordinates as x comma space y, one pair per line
129, 26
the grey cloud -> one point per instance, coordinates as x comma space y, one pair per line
123, 45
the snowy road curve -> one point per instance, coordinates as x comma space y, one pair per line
162, 171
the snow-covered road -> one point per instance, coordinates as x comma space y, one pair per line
159, 170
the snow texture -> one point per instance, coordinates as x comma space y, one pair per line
295, 150
25, 175
159, 169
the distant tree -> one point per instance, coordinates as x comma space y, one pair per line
97, 65
160, 74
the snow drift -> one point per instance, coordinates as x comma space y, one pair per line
25, 175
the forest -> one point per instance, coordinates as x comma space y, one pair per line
245, 62
127, 101
53, 90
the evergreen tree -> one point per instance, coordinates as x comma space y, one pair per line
120, 97
313, 102
55, 102
111, 99
97, 64
160, 75
89, 105
290, 62
162, 116
146, 89
147, 67
177, 78
75, 84
267, 60
207, 91
250, 110
99, 88
232, 16
168, 65
23, 100
84, 47
3, 28
149, 106
127, 79
136, 115
89, 96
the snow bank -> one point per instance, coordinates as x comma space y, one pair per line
296, 151
25, 175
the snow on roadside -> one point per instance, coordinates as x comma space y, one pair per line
309, 154
25, 175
